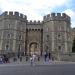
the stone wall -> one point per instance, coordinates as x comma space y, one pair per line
68, 57
13, 29
52, 34
57, 33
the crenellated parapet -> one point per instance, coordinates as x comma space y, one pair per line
15, 15
49, 17
56, 17
34, 22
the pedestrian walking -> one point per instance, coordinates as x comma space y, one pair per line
18, 55
20, 58
34, 57
27, 58
1, 60
31, 61
49, 55
38, 58
14, 59
52, 58
45, 56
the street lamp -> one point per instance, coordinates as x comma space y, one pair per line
59, 49
19, 51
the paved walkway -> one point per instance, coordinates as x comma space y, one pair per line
41, 62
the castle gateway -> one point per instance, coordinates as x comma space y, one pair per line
18, 35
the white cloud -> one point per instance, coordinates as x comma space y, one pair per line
71, 13
31, 7
34, 9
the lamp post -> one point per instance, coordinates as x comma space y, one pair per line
19, 51
59, 50
46, 49
58, 56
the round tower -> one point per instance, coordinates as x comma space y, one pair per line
56, 34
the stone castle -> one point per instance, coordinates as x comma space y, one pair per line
18, 35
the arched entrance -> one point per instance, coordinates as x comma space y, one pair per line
33, 48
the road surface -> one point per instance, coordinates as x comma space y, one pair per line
55, 69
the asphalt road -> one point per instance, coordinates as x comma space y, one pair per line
57, 69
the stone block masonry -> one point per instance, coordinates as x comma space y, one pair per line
20, 36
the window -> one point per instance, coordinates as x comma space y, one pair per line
20, 37
7, 41
47, 38
8, 36
58, 35
47, 29
19, 48
59, 47
9, 26
7, 47
59, 28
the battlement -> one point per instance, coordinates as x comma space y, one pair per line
49, 17
34, 22
56, 16
13, 14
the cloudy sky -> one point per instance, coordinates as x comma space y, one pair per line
36, 9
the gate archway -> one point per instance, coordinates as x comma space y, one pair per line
33, 48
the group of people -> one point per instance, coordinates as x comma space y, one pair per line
33, 58
47, 57
4, 59
15, 59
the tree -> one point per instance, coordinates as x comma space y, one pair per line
73, 47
